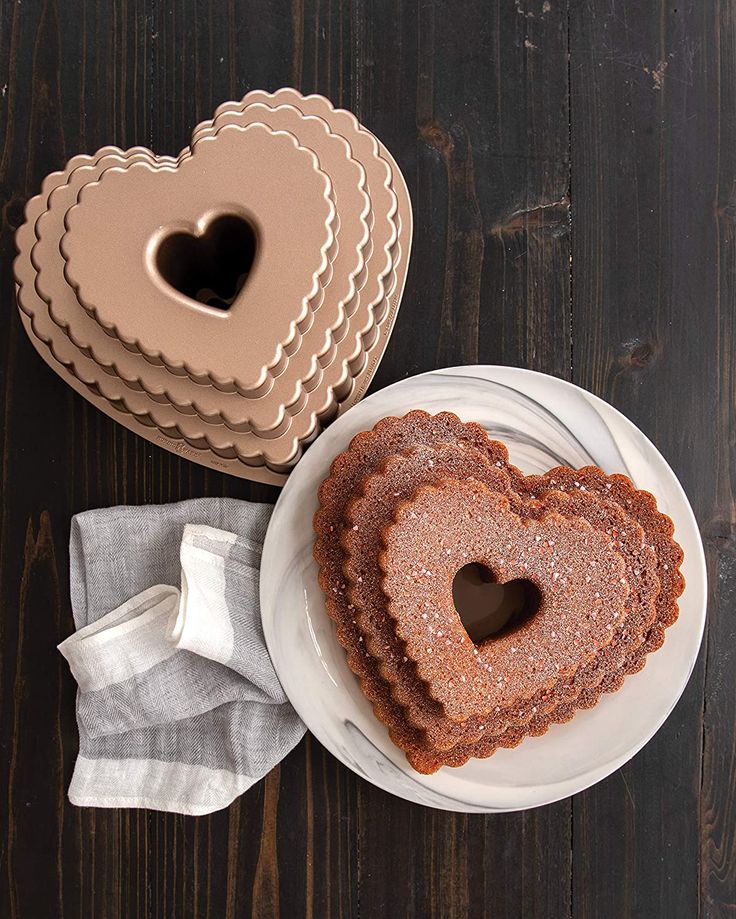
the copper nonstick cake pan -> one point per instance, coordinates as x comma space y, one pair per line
246, 454
65, 310
45, 258
121, 227
116, 396
212, 405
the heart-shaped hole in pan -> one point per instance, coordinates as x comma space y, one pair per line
488, 609
212, 267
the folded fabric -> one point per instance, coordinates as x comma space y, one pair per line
179, 707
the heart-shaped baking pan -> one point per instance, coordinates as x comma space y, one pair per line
333, 361
49, 274
128, 399
114, 261
210, 404
380, 314
123, 400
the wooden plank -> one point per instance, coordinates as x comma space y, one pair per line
714, 73
652, 307
66, 81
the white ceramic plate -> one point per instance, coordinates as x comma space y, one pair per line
544, 422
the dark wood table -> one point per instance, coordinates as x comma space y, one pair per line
573, 172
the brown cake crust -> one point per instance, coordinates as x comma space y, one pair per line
393, 435
374, 509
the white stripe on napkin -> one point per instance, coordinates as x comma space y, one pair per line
203, 624
129, 640
191, 790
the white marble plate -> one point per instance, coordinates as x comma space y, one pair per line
544, 422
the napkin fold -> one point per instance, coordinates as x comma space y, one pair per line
179, 707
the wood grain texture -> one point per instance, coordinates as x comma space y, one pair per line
653, 323
573, 172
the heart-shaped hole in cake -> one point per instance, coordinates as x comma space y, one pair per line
488, 609
210, 268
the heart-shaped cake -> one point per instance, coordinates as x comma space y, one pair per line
372, 511
226, 354
573, 566
412, 488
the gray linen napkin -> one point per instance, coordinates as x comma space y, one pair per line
179, 707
